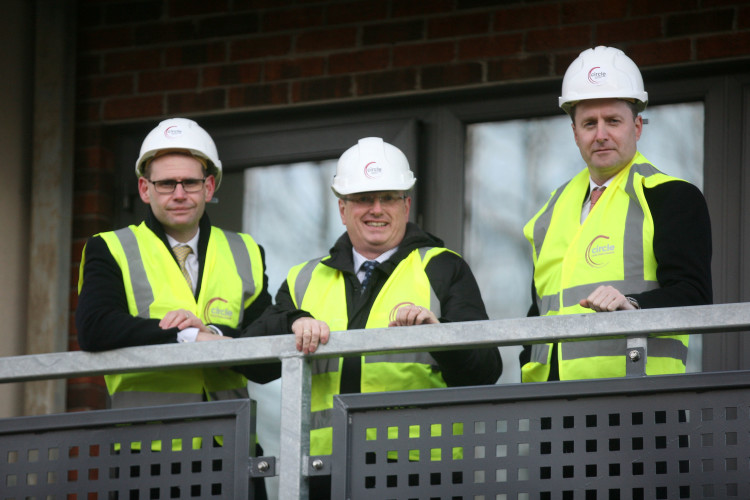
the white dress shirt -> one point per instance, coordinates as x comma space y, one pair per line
587, 204
359, 260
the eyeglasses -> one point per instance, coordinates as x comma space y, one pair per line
167, 186
368, 199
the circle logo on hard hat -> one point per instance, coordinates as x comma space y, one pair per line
597, 75
173, 132
373, 171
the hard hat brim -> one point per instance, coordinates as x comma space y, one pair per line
340, 191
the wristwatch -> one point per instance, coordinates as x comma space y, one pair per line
633, 302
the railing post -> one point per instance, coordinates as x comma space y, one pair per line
295, 427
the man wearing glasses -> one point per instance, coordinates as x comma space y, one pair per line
174, 277
384, 271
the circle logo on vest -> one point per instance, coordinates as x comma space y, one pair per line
173, 132
215, 313
373, 170
598, 251
597, 76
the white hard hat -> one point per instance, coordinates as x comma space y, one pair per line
603, 72
180, 133
372, 165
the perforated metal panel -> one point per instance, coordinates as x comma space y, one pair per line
180, 451
664, 437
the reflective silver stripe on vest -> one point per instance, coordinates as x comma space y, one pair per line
329, 365
303, 280
405, 357
662, 347
547, 303
238, 393
542, 222
135, 399
645, 169
632, 252
142, 292
575, 293
540, 354
321, 419
434, 301
244, 268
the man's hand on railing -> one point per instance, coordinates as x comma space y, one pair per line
606, 299
410, 314
181, 319
308, 333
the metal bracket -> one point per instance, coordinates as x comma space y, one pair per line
262, 466
636, 354
319, 465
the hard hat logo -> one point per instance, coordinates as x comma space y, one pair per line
173, 132
597, 77
373, 171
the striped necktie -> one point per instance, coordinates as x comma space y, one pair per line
595, 195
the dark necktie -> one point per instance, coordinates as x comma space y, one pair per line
595, 195
367, 267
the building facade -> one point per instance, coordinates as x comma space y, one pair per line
286, 86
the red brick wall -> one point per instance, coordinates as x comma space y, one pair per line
148, 59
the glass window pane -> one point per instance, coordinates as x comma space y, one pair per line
511, 169
291, 211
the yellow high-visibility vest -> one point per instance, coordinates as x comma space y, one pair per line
154, 285
613, 246
319, 289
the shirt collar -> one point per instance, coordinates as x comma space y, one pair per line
192, 243
359, 259
593, 184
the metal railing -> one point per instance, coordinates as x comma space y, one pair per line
292, 463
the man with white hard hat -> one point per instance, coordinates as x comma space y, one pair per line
383, 271
174, 277
620, 235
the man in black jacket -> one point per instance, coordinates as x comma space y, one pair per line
621, 235
174, 277
135, 287
383, 271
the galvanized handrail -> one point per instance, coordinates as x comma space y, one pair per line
295, 393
